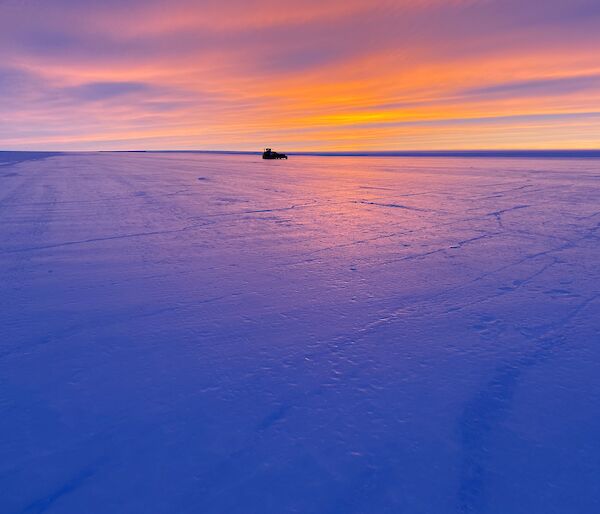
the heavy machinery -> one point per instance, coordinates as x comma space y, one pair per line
270, 154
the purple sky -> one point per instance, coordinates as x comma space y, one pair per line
302, 75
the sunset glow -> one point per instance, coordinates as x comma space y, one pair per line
302, 75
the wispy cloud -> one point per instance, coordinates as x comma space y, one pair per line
306, 74
536, 87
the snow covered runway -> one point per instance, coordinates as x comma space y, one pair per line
197, 333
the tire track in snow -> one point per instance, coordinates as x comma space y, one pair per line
492, 404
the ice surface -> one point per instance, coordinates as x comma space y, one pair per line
189, 333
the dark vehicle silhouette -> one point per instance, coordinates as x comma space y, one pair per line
270, 154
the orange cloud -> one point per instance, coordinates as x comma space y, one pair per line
303, 75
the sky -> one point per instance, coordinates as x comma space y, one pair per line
312, 75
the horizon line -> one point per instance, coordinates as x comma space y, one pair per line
524, 153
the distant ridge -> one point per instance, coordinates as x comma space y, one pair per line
525, 154
12, 157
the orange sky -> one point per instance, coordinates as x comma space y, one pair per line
302, 75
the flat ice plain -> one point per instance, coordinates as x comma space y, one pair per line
197, 333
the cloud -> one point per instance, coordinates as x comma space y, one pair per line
536, 87
224, 74
104, 90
